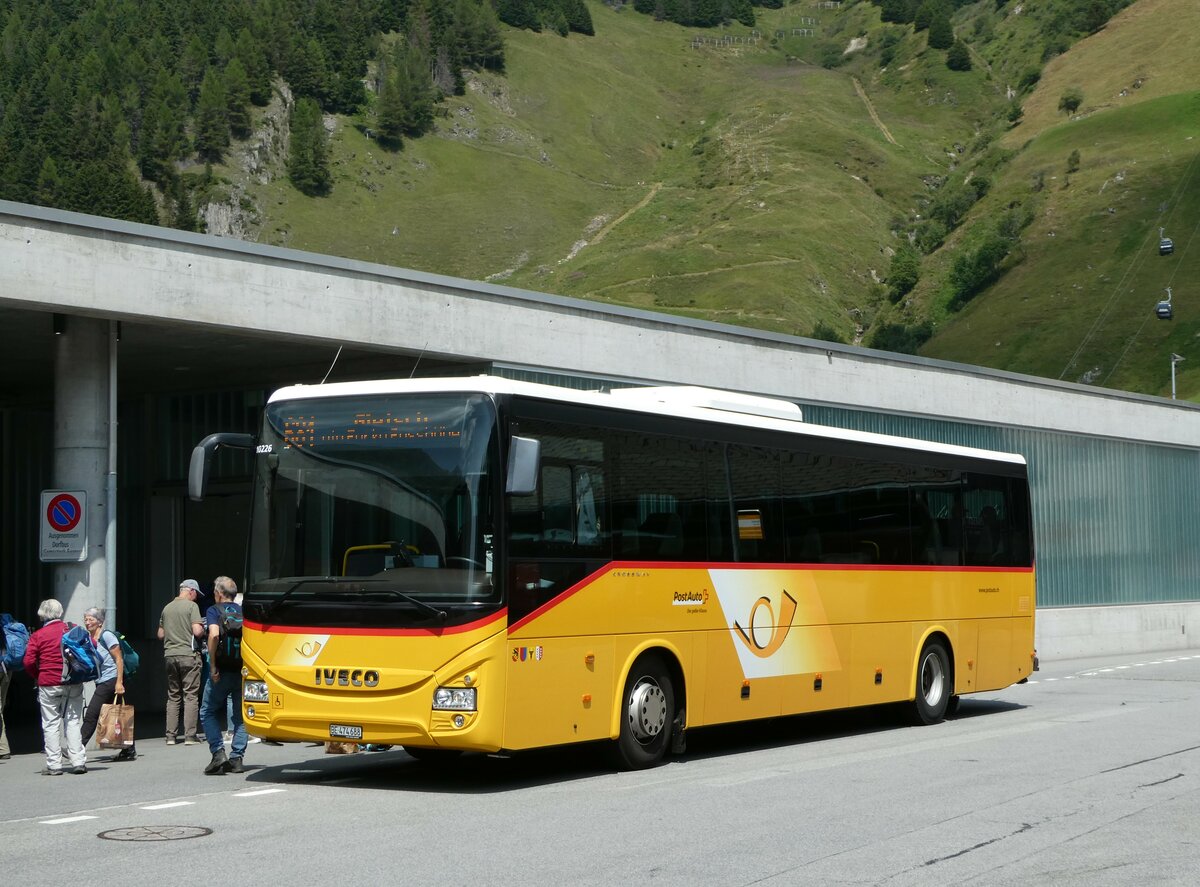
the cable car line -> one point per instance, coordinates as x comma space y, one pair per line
1138, 257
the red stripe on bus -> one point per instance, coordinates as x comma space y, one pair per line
380, 632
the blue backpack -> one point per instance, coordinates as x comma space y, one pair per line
81, 662
16, 639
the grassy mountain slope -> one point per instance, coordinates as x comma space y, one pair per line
1080, 306
721, 182
746, 183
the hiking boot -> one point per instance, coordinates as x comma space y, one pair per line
216, 767
126, 754
51, 771
171, 740
80, 770
234, 765
191, 740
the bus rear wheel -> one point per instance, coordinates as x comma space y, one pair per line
933, 684
647, 715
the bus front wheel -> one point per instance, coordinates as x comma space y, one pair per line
647, 715
933, 684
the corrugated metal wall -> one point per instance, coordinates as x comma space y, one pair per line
1116, 522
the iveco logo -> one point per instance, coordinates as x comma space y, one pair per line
346, 677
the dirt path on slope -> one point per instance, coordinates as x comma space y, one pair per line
603, 232
862, 94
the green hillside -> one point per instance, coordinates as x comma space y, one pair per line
738, 183
1080, 306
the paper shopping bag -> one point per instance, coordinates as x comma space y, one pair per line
115, 729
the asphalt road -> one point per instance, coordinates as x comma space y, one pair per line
1087, 775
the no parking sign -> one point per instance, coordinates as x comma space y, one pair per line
63, 525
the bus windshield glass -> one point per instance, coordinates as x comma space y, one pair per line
374, 511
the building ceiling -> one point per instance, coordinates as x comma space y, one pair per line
159, 358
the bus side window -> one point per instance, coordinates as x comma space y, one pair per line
754, 476
988, 531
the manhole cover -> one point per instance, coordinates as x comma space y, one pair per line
155, 833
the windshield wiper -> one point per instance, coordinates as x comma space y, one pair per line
271, 606
438, 614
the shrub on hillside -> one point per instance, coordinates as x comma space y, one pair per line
904, 273
1070, 100
958, 58
823, 332
901, 338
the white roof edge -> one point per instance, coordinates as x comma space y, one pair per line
653, 399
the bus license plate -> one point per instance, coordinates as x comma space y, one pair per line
345, 731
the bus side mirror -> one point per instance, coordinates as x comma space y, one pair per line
202, 458
524, 456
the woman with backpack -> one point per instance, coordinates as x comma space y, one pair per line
112, 676
60, 703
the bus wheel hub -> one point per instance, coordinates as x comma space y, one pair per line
647, 711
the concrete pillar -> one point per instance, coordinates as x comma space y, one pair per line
81, 453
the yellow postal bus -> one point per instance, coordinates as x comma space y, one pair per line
479, 564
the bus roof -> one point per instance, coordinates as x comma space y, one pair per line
685, 401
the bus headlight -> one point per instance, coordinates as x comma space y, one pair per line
254, 691
454, 699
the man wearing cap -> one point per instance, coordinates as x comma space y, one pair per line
179, 623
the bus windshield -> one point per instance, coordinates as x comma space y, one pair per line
374, 511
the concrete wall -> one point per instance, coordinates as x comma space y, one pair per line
138, 272
1075, 632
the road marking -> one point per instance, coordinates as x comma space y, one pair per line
257, 792
65, 819
170, 805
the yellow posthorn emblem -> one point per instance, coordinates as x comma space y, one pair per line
787, 611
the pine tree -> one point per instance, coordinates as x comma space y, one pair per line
237, 98
389, 113
308, 155
959, 57
212, 118
941, 34
254, 61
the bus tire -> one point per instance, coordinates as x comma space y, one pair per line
433, 755
934, 686
647, 715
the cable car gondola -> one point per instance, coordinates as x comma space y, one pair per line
1163, 310
1166, 246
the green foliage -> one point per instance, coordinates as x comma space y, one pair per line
560, 16
959, 57
901, 338
901, 12
941, 33
823, 332
212, 118
1073, 161
1070, 100
698, 13
903, 274
169, 81
237, 98
308, 154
